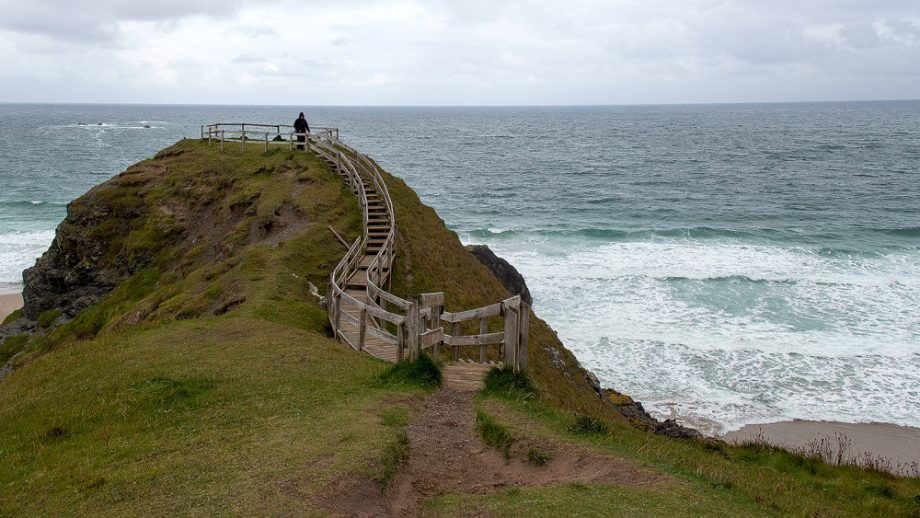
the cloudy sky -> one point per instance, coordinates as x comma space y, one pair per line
458, 52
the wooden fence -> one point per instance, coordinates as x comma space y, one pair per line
411, 326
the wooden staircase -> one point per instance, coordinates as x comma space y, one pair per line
355, 321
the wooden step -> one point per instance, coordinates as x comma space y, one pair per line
464, 376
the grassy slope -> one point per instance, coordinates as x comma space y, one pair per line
165, 408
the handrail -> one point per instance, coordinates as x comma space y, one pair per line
418, 322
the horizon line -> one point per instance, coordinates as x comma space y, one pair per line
588, 105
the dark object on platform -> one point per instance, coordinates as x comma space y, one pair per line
510, 278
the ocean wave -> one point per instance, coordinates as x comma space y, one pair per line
620, 234
899, 232
30, 204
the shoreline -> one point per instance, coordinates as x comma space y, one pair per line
9, 302
899, 445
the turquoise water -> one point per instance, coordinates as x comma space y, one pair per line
724, 264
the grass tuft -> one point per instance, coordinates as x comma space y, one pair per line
48, 317
538, 457
505, 382
395, 453
423, 371
494, 433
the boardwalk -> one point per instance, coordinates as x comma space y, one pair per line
363, 313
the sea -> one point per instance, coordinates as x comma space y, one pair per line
723, 264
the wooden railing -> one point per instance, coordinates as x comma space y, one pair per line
412, 326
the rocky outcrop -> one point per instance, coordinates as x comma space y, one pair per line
79, 268
507, 274
637, 415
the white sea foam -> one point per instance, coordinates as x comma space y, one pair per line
723, 334
18, 251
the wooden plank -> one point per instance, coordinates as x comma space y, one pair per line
471, 314
431, 338
483, 328
484, 339
340, 238
429, 300
382, 335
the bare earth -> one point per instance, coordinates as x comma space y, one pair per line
898, 443
9, 302
447, 455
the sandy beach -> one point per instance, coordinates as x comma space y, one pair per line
9, 302
901, 444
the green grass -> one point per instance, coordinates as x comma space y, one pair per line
748, 480
48, 317
12, 316
225, 415
505, 382
423, 372
494, 433
580, 500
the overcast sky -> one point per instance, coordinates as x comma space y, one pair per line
458, 52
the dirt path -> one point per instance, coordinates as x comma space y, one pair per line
447, 455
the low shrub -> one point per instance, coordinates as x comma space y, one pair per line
587, 425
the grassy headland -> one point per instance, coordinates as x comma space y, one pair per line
205, 381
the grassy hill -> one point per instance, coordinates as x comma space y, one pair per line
205, 381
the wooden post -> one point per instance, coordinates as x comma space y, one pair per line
362, 321
436, 323
202, 132
511, 338
525, 335
266, 142
243, 139
221, 141
306, 143
291, 140
338, 314
483, 327
455, 350
209, 137
400, 342
412, 329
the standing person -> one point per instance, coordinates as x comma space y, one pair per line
301, 126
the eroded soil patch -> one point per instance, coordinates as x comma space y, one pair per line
447, 455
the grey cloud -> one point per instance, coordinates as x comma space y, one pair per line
96, 20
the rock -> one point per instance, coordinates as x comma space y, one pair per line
594, 382
83, 263
670, 428
636, 414
510, 278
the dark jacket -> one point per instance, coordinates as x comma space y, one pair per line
301, 126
